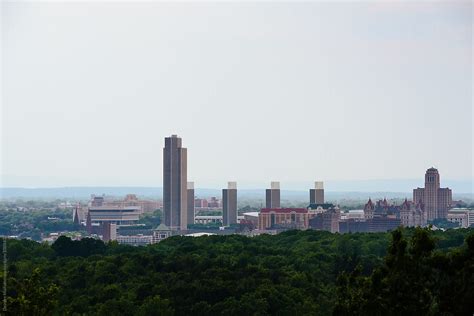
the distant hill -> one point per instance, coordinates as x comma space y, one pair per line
81, 193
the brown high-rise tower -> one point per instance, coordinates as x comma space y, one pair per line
272, 196
175, 184
436, 201
316, 195
229, 204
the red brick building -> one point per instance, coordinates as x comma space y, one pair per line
296, 218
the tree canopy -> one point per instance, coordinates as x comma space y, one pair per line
293, 273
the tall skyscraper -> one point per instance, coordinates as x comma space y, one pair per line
273, 195
229, 204
191, 213
175, 184
316, 195
436, 201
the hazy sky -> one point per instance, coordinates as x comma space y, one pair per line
264, 91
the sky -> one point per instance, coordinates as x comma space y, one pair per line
266, 91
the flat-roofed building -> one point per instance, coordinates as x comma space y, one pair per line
121, 216
136, 240
109, 231
96, 200
272, 195
229, 204
175, 184
353, 214
214, 202
462, 210
462, 216
147, 206
208, 219
251, 217
213, 219
316, 195
316, 208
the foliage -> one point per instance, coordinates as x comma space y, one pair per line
414, 279
30, 224
85, 247
32, 297
292, 273
210, 212
151, 219
444, 223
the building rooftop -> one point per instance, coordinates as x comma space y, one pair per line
199, 234
114, 208
275, 185
319, 185
254, 214
461, 210
325, 206
284, 210
162, 227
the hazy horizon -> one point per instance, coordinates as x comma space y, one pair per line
381, 185
293, 92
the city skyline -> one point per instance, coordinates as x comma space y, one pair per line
353, 91
237, 157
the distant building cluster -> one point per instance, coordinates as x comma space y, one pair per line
429, 203
182, 208
130, 201
207, 204
179, 202
102, 216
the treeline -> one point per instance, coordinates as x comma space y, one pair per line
410, 271
32, 224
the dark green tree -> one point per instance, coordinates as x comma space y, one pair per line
33, 297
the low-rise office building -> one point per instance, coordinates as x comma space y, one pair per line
463, 216
121, 216
135, 240
212, 219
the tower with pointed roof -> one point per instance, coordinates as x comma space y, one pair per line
369, 209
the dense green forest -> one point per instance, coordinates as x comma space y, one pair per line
406, 272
